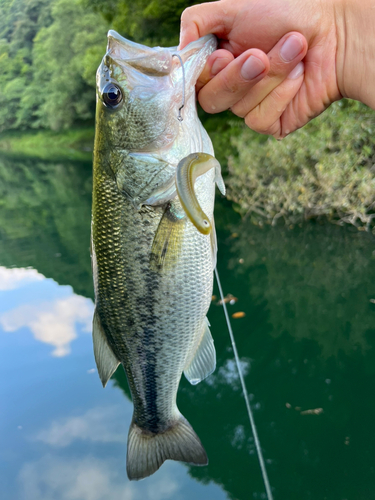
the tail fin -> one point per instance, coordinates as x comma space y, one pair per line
147, 451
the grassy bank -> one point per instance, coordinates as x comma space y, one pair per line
326, 169
75, 144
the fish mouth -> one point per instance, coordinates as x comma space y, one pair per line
157, 61
137, 48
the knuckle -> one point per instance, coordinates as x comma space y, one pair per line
228, 84
256, 122
238, 110
187, 14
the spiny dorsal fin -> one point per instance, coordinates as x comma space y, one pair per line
167, 241
203, 361
106, 361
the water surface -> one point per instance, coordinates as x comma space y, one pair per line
306, 343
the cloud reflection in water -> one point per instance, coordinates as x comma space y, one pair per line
11, 279
90, 478
104, 425
50, 321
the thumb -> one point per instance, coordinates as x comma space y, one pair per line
203, 19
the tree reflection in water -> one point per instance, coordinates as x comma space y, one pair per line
307, 340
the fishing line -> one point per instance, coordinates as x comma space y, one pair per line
249, 411
179, 118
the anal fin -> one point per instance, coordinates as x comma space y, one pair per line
106, 361
203, 362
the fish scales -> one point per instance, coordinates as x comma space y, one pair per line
131, 298
150, 318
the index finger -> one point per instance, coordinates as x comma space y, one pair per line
199, 20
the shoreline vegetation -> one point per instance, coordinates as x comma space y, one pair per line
75, 144
324, 171
49, 52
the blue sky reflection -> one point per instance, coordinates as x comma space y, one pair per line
63, 436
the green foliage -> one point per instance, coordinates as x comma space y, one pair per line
223, 129
50, 50
49, 53
20, 21
325, 169
64, 66
150, 22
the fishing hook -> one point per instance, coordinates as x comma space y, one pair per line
179, 118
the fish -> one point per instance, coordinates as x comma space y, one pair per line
152, 264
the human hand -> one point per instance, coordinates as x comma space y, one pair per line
288, 92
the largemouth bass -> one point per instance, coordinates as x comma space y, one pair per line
153, 269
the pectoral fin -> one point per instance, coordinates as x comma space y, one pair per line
167, 242
203, 362
213, 240
157, 188
106, 361
162, 194
219, 180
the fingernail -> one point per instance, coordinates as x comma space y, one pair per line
291, 48
252, 68
219, 64
297, 71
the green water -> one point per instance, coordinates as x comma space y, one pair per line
306, 343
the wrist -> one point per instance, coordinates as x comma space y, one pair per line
355, 57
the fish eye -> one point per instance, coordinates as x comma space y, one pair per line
111, 95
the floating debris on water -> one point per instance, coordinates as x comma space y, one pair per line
213, 297
228, 299
241, 261
239, 314
315, 411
